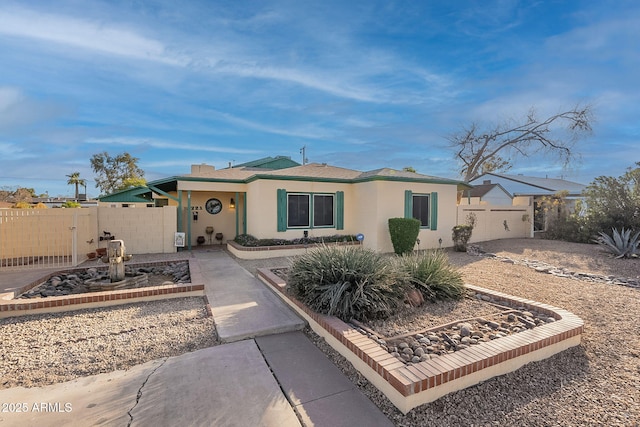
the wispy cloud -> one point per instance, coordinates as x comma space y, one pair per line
178, 146
82, 33
309, 131
17, 110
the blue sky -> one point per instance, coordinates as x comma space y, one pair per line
362, 84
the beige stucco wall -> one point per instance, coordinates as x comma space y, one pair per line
29, 233
263, 207
490, 221
223, 222
380, 200
143, 230
367, 209
49, 236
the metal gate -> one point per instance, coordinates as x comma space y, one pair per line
39, 238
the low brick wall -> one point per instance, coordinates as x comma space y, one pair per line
10, 307
409, 386
265, 252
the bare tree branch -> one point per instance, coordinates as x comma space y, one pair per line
495, 149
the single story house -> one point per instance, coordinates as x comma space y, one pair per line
533, 190
486, 194
276, 197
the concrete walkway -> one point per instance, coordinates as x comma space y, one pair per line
262, 381
242, 306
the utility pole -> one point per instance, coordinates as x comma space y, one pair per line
303, 151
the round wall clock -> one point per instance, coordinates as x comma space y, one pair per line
213, 206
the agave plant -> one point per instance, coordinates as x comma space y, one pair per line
621, 243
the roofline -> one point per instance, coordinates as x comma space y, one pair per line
430, 180
495, 183
323, 179
510, 177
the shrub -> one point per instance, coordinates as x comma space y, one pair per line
432, 274
22, 205
246, 240
251, 241
461, 235
404, 232
621, 244
70, 204
614, 202
346, 282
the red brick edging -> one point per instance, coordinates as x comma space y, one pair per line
21, 307
426, 381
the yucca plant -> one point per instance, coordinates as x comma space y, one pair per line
432, 274
346, 282
621, 243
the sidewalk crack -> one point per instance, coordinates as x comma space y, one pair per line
139, 395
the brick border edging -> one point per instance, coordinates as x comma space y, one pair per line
426, 381
23, 307
241, 248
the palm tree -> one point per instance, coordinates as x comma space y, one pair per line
74, 179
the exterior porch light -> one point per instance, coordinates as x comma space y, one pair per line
232, 204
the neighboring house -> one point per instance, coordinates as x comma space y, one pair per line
533, 190
276, 197
486, 194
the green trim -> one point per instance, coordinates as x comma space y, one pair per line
338, 217
180, 211
433, 224
163, 193
408, 204
189, 218
319, 179
237, 214
339, 210
244, 213
282, 210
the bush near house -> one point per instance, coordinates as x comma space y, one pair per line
431, 273
462, 233
346, 282
404, 233
250, 241
610, 203
351, 282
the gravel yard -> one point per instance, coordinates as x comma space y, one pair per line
596, 383
44, 349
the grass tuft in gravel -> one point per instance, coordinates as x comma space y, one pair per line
432, 274
346, 282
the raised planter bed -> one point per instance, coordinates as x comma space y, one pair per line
264, 252
409, 386
20, 307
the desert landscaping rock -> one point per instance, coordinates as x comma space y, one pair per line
543, 267
44, 349
448, 339
594, 384
77, 282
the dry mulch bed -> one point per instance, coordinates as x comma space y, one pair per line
595, 383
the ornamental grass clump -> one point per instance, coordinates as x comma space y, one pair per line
347, 282
431, 273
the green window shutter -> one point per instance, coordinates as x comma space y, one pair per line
408, 204
339, 210
282, 210
434, 211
